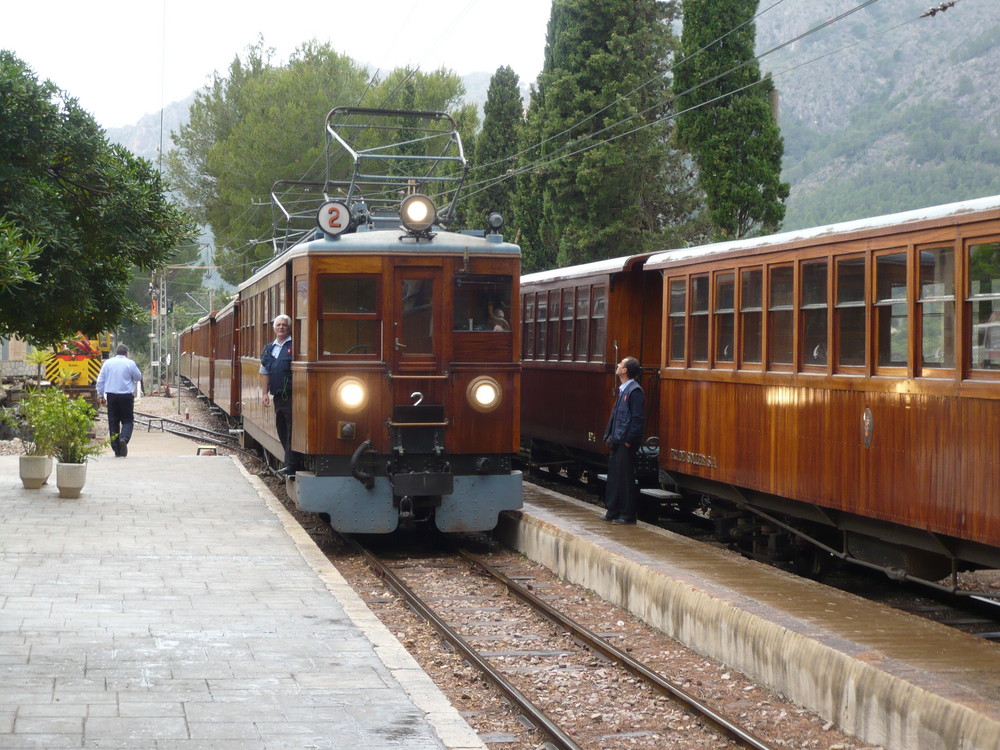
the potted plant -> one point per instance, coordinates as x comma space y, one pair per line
35, 464
63, 426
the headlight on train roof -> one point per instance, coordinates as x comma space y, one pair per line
483, 394
350, 394
417, 213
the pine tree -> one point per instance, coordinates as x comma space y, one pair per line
603, 181
496, 147
725, 118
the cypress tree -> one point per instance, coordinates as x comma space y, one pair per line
496, 147
604, 181
725, 118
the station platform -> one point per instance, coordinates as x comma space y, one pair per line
176, 604
887, 677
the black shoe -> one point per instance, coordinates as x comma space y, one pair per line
116, 447
607, 517
284, 471
124, 450
623, 521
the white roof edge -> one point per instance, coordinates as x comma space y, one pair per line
594, 268
875, 222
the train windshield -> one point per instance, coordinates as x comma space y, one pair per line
482, 303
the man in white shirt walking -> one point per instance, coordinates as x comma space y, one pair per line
116, 389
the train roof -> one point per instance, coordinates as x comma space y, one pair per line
596, 268
390, 242
873, 225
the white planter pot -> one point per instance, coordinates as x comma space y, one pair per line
70, 479
34, 471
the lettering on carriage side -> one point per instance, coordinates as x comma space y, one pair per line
695, 459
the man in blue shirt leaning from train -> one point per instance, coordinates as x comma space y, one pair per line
116, 389
276, 381
623, 436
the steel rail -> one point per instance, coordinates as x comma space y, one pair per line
226, 442
593, 641
560, 739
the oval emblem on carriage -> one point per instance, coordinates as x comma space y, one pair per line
867, 428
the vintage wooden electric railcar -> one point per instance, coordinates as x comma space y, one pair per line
406, 377
577, 323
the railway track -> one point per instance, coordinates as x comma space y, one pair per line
524, 645
192, 432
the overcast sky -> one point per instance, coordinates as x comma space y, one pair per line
125, 58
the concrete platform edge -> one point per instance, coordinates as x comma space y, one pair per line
864, 700
453, 731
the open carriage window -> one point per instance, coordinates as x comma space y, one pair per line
349, 318
482, 303
984, 304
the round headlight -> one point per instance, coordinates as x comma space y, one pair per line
350, 394
483, 394
418, 213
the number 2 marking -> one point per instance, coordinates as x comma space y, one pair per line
334, 221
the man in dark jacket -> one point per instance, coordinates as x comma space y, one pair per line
623, 437
276, 381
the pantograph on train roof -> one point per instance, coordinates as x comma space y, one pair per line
375, 160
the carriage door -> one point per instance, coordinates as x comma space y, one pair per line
417, 320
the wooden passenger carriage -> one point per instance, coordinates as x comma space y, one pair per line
840, 385
577, 324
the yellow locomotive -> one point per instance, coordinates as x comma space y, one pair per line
77, 361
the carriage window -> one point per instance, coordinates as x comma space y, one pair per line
301, 313
552, 349
482, 303
699, 319
937, 307
751, 314
566, 326
781, 316
678, 311
582, 321
984, 301
541, 318
528, 316
814, 313
891, 325
598, 324
850, 312
725, 316
349, 321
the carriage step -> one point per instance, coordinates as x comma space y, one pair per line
662, 495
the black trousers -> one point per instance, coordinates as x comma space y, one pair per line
120, 417
283, 424
622, 495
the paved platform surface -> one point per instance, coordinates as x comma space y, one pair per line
176, 605
888, 677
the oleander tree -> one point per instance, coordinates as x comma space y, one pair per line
725, 118
78, 214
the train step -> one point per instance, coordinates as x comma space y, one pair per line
661, 495
652, 492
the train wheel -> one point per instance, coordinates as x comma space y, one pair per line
810, 562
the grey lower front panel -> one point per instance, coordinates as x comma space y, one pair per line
478, 500
473, 505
